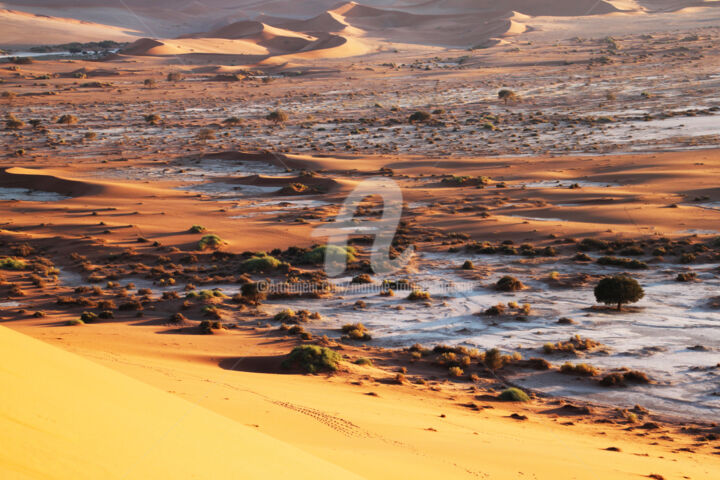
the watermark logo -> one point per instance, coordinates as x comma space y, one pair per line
383, 229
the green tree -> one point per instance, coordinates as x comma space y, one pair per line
618, 289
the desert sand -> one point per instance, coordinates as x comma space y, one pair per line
143, 180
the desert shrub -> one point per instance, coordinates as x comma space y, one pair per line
364, 361
284, 316
130, 305
686, 277
175, 77
588, 244
277, 116
232, 121
455, 372
514, 395
356, 331
177, 319
67, 119
509, 284
264, 263
495, 310
171, 295
619, 290
538, 364
418, 295
573, 345
88, 317
313, 359
334, 253
363, 278
75, 322
623, 262
468, 265
153, 119
10, 263
210, 242
205, 294
149, 83
687, 258
205, 134
253, 292
582, 369
106, 305
508, 96
493, 359
207, 327
13, 123
419, 116
623, 378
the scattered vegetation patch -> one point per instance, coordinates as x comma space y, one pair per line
573, 346
582, 369
333, 253
622, 378
623, 262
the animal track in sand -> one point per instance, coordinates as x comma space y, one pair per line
341, 425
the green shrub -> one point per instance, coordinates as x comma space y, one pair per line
257, 264
210, 242
514, 395
11, 263
364, 361
313, 359
317, 255
75, 322
206, 294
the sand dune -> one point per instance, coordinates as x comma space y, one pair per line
152, 47
87, 422
53, 181
20, 29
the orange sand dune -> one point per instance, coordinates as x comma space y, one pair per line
62, 416
261, 34
20, 29
151, 47
52, 181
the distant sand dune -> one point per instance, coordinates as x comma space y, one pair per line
273, 31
